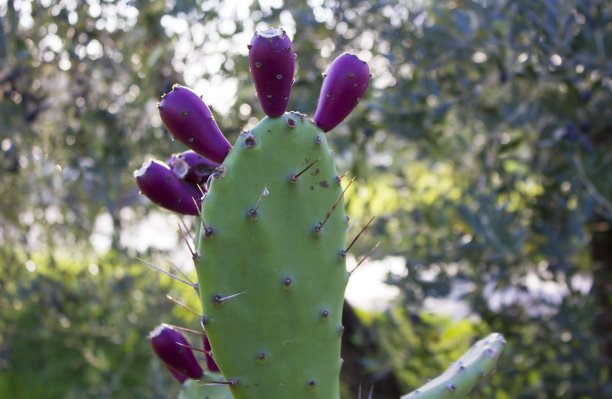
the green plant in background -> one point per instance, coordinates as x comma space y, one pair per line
66, 332
270, 244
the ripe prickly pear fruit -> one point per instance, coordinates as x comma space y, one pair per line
162, 186
272, 61
189, 119
192, 167
210, 362
343, 86
170, 346
462, 375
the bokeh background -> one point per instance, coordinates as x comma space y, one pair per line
483, 147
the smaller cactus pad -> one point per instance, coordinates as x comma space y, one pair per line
464, 374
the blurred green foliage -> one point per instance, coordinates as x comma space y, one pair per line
483, 148
76, 327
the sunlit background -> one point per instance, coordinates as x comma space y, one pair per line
482, 147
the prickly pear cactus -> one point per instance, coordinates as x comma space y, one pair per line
270, 246
266, 249
271, 267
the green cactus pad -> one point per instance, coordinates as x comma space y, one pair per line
464, 374
199, 389
271, 278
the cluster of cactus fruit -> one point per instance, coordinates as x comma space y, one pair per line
270, 243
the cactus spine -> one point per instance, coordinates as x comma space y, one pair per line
270, 244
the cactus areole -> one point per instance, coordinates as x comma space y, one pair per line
270, 245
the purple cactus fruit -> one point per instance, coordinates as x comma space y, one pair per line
272, 62
343, 86
166, 343
192, 167
188, 119
157, 181
180, 377
210, 362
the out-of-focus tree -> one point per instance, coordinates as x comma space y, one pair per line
76, 326
79, 83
